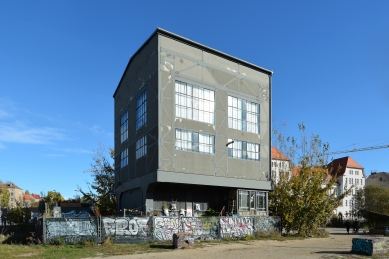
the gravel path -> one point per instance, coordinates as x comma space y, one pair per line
338, 245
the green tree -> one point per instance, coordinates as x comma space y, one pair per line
4, 197
304, 196
27, 192
52, 198
20, 214
376, 210
378, 197
100, 190
358, 203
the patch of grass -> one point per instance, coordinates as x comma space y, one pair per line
80, 250
249, 237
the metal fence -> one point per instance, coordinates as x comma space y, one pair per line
143, 229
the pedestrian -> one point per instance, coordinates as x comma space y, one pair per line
356, 225
348, 225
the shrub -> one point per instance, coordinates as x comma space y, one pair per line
59, 241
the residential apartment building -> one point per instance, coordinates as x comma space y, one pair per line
279, 163
350, 174
15, 194
192, 130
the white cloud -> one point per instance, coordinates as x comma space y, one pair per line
6, 106
55, 155
15, 129
18, 132
76, 150
4, 114
97, 130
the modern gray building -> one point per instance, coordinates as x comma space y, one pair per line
192, 130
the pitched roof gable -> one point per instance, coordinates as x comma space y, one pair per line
343, 163
36, 196
13, 186
278, 155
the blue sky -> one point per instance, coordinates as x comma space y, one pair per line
61, 61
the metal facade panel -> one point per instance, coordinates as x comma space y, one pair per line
181, 62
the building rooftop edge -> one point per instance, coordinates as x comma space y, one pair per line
195, 44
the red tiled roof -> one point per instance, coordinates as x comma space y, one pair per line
26, 197
296, 171
36, 196
343, 162
276, 154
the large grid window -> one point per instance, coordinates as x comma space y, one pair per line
124, 127
243, 115
243, 150
194, 141
261, 201
141, 147
124, 158
195, 103
249, 200
141, 110
244, 200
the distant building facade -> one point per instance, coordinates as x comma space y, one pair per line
279, 163
380, 179
192, 131
15, 195
350, 174
29, 199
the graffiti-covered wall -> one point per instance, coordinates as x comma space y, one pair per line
127, 229
138, 229
70, 230
200, 227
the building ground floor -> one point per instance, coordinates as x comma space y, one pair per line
177, 199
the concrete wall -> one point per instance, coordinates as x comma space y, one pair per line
138, 229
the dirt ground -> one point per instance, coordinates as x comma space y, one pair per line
338, 245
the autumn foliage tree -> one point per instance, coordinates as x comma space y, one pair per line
100, 190
304, 196
52, 198
4, 196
